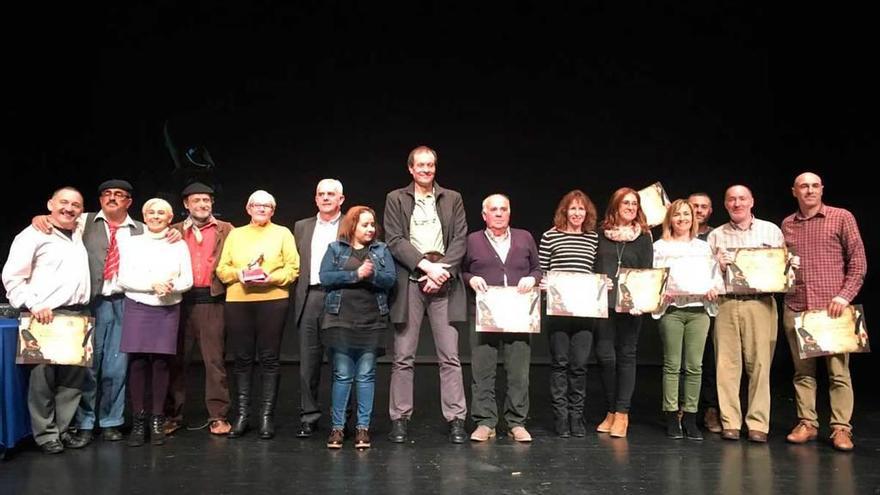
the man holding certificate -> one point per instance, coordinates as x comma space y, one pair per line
48, 275
745, 328
832, 270
506, 257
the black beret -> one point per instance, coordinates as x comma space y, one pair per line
115, 184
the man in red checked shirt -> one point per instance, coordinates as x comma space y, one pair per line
832, 270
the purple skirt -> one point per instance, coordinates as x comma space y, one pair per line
149, 329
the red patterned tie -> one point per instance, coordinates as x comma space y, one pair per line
111, 266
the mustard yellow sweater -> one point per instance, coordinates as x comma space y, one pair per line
280, 262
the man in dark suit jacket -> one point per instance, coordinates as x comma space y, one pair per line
313, 235
419, 219
201, 315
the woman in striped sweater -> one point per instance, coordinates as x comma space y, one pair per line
569, 246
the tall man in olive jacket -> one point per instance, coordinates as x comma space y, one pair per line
426, 230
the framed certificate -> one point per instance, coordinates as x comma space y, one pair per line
640, 289
577, 294
654, 202
819, 335
758, 271
506, 310
66, 340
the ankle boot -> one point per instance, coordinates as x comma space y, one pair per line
563, 428
606, 424
621, 424
270, 394
689, 423
157, 429
243, 403
673, 425
138, 430
577, 425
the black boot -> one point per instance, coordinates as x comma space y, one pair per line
689, 423
577, 426
270, 394
243, 389
157, 430
563, 429
673, 425
138, 430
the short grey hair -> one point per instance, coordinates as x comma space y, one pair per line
333, 183
498, 195
261, 196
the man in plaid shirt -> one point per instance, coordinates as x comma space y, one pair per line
832, 270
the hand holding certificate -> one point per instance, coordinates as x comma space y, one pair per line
577, 294
757, 271
641, 290
820, 335
65, 340
507, 310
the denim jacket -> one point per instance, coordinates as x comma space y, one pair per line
334, 278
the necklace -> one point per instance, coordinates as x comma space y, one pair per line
620, 247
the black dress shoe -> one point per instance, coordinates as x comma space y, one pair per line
456, 431
52, 447
398, 431
306, 430
78, 441
111, 434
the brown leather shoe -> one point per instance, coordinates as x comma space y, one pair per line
711, 420
362, 438
482, 433
621, 423
841, 439
335, 440
757, 436
520, 434
802, 433
172, 426
605, 425
730, 434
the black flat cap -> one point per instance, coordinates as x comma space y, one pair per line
115, 184
197, 188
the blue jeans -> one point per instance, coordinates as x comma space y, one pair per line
358, 365
108, 365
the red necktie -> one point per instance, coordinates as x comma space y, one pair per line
111, 266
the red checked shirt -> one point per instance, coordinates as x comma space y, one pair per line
832, 256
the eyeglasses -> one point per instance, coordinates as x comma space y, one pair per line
262, 205
115, 194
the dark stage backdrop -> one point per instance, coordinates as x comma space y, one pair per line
528, 101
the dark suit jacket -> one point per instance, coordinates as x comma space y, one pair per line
223, 230
399, 206
302, 232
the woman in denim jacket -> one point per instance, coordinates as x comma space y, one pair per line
358, 273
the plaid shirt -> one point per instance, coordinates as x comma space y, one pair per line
832, 255
759, 234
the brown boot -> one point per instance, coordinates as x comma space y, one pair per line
712, 421
621, 423
841, 438
802, 433
605, 425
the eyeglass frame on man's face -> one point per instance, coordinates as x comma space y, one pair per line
107, 193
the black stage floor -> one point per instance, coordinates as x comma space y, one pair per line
194, 462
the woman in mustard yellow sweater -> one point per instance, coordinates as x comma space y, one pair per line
258, 263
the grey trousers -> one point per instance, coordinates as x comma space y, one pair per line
406, 341
53, 396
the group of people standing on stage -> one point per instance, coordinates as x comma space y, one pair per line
155, 289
